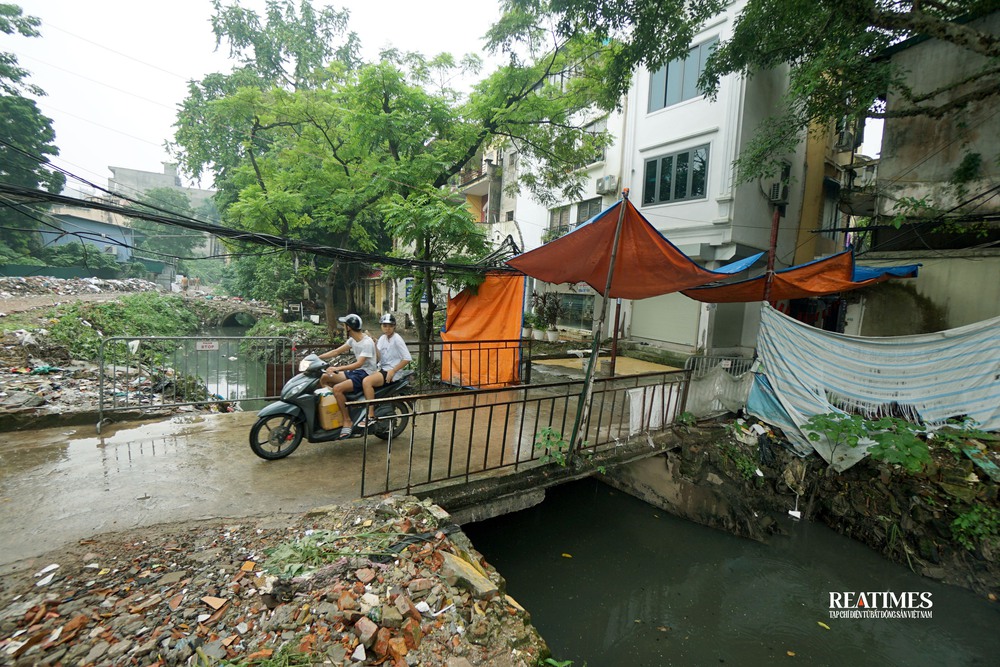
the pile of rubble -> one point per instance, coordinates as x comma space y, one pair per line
13, 287
380, 581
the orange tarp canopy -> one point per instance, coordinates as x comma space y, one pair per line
482, 334
829, 275
647, 263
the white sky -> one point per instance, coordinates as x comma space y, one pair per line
115, 70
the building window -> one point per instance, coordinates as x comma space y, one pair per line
558, 224
509, 216
586, 210
599, 126
678, 80
676, 177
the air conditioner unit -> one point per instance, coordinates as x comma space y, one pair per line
777, 193
607, 185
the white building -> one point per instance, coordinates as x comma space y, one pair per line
674, 151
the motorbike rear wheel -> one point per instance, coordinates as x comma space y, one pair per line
276, 436
386, 425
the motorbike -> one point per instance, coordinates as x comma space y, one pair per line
282, 425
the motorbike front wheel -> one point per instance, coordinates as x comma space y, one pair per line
276, 436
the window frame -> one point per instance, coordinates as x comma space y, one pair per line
672, 183
664, 85
587, 205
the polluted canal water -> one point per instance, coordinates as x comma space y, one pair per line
610, 580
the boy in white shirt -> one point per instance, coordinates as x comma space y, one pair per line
393, 356
349, 378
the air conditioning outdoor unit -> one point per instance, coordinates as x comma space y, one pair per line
607, 185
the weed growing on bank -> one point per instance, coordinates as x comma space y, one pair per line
80, 327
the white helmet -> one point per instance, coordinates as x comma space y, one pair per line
388, 318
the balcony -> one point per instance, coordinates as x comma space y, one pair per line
858, 191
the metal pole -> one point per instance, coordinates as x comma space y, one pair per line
583, 406
770, 252
614, 336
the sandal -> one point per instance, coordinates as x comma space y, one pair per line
346, 431
363, 424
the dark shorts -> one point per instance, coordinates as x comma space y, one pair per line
357, 377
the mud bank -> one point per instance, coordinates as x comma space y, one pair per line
940, 523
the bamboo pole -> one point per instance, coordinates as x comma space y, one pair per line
583, 406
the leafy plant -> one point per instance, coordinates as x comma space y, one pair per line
285, 656
896, 440
744, 464
686, 419
955, 433
548, 309
979, 526
551, 443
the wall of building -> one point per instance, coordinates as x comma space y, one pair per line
962, 285
920, 154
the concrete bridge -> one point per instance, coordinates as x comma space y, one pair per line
229, 311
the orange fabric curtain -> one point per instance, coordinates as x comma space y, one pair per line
493, 313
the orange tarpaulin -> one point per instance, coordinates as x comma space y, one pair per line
647, 263
829, 275
482, 334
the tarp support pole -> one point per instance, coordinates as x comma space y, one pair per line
583, 406
614, 337
771, 249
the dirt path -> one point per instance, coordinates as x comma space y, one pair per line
21, 304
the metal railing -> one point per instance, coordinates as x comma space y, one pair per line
462, 436
465, 364
153, 372
719, 384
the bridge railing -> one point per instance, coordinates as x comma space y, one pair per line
148, 373
464, 364
464, 436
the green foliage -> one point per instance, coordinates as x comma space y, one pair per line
548, 308
270, 278
686, 420
551, 444
298, 332
954, 434
80, 327
897, 441
978, 526
744, 463
828, 47
165, 242
24, 134
77, 254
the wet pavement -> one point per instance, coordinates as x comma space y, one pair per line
61, 485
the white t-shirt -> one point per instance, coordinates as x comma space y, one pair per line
391, 351
364, 349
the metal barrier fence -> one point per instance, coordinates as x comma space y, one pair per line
719, 384
150, 372
471, 434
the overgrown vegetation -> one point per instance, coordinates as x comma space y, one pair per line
978, 527
81, 327
896, 441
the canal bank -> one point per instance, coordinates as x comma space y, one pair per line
610, 580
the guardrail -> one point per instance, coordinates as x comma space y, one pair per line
461, 436
153, 372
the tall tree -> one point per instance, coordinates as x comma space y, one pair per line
319, 160
26, 137
163, 242
832, 49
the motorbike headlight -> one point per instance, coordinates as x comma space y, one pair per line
304, 365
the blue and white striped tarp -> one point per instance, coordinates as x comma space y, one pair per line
927, 377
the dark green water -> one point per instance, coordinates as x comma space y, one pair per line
644, 588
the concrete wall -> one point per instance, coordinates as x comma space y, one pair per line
920, 154
955, 288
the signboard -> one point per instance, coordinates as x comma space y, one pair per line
207, 346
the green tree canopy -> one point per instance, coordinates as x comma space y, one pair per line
326, 155
163, 242
26, 137
833, 48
